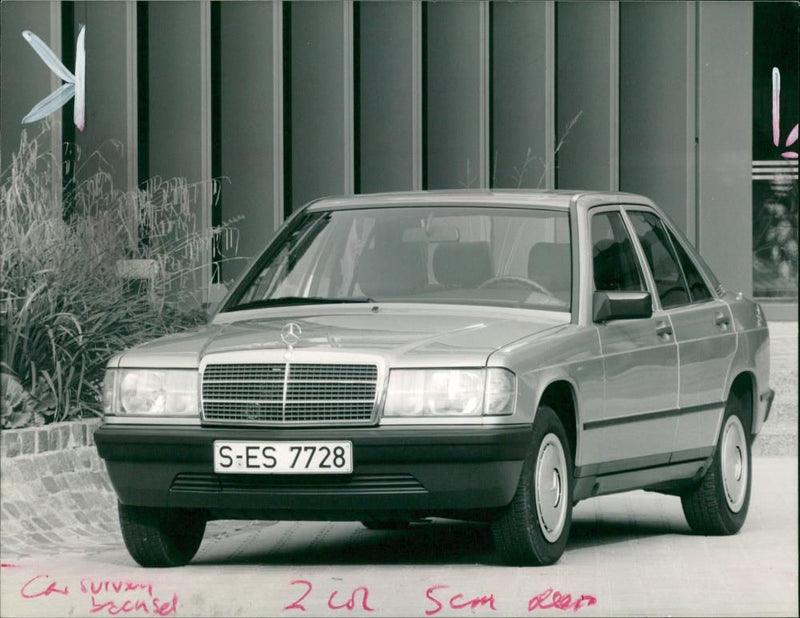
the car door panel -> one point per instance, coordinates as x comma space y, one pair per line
703, 330
636, 426
641, 385
706, 346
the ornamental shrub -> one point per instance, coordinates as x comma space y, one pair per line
87, 272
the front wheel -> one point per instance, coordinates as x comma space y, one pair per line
534, 528
158, 537
718, 504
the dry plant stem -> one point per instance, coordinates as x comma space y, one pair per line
64, 309
547, 163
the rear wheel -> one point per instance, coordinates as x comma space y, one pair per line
158, 537
718, 504
534, 528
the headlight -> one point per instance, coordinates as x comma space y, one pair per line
450, 392
164, 392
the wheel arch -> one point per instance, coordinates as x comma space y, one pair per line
559, 395
744, 386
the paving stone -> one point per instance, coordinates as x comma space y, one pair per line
42, 441
28, 443
83, 518
84, 459
64, 435
11, 473
79, 500
66, 462
54, 521
10, 443
50, 484
11, 508
27, 525
54, 438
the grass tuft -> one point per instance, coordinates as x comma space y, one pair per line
89, 275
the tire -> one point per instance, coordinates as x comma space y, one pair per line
533, 529
386, 525
718, 504
158, 537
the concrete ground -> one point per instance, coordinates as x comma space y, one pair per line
629, 555
779, 435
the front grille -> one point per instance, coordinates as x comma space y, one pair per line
277, 393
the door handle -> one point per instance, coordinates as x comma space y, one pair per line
722, 320
663, 330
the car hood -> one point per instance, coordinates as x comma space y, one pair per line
402, 335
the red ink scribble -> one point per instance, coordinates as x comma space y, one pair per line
457, 601
30, 591
113, 586
298, 604
7, 565
553, 599
156, 606
351, 603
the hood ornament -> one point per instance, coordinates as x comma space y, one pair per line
290, 334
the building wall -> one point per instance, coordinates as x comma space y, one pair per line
25, 78
292, 101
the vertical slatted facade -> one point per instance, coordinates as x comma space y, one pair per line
320, 98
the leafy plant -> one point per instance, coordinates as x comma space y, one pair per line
83, 278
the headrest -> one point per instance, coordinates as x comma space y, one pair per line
465, 264
396, 271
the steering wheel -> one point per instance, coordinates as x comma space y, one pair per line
518, 281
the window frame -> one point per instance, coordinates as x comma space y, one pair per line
713, 287
644, 273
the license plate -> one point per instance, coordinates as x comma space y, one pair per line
283, 457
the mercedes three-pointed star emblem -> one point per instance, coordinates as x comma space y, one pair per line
290, 333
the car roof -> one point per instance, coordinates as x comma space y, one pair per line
483, 197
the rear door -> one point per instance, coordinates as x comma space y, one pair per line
703, 330
636, 426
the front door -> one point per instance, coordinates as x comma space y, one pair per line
636, 426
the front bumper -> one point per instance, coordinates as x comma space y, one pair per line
411, 470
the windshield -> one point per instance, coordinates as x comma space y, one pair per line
511, 257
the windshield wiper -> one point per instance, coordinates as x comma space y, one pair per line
297, 300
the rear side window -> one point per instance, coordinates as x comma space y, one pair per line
697, 287
614, 262
661, 258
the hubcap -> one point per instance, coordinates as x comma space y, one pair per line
734, 463
551, 487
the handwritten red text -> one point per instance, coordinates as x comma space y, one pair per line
39, 587
359, 598
457, 601
553, 599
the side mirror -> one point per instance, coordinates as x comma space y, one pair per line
621, 306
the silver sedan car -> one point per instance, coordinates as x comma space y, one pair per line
483, 355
